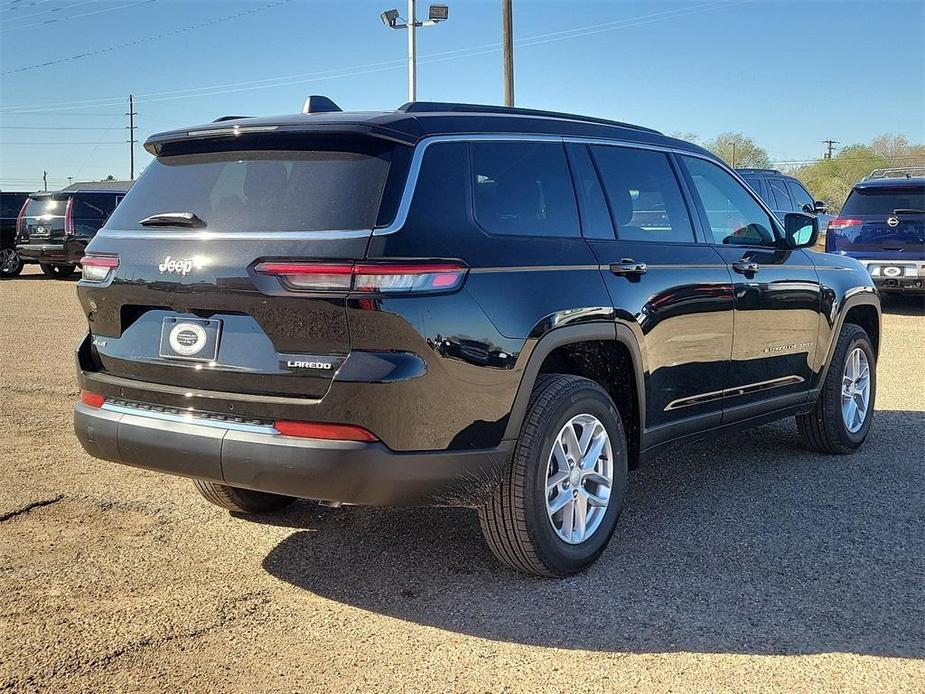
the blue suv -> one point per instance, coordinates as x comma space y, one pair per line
882, 224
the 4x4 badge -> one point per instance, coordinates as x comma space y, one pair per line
181, 267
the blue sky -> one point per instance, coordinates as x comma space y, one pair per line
788, 74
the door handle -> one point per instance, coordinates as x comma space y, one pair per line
628, 266
746, 267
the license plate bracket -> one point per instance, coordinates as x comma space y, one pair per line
190, 339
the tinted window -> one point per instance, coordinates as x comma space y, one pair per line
330, 185
731, 212
883, 201
94, 205
10, 203
523, 188
782, 199
46, 206
755, 183
594, 212
643, 194
800, 196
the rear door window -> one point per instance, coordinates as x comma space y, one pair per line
884, 201
782, 201
643, 194
329, 185
802, 200
523, 189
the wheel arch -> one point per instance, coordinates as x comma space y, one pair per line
860, 307
561, 351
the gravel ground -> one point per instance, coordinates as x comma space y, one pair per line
745, 564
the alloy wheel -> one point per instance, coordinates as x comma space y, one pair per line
855, 394
579, 477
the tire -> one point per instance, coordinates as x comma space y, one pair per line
241, 500
10, 263
515, 521
824, 429
57, 271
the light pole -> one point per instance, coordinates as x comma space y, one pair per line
391, 18
507, 31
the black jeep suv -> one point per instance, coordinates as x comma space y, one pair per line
55, 227
457, 305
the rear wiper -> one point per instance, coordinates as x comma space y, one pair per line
173, 219
907, 210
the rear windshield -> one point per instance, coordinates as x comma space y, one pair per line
46, 206
884, 201
331, 186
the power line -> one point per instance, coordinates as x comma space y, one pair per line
50, 10
323, 75
153, 37
74, 16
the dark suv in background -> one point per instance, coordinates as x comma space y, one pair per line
784, 194
882, 224
54, 227
457, 305
10, 205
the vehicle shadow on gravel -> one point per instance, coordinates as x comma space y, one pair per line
747, 544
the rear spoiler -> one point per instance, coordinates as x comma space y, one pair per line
223, 131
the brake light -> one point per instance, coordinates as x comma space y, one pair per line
69, 218
96, 268
91, 399
384, 278
21, 218
843, 222
331, 432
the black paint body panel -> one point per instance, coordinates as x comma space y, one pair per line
452, 372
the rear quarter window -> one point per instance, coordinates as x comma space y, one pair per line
523, 189
321, 186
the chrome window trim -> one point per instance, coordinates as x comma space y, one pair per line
414, 170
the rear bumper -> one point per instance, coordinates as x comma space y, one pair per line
255, 457
892, 275
42, 252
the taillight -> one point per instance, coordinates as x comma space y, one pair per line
840, 223
96, 268
91, 399
332, 432
21, 218
69, 218
383, 278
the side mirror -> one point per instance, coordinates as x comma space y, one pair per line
802, 230
820, 207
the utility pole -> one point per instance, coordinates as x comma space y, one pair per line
45, 180
131, 136
829, 144
733, 155
391, 18
70, 179
507, 29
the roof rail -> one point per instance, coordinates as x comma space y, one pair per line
898, 172
224, 118
439, 106
757, 170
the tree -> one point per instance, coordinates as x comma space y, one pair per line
832, 179
740, 151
